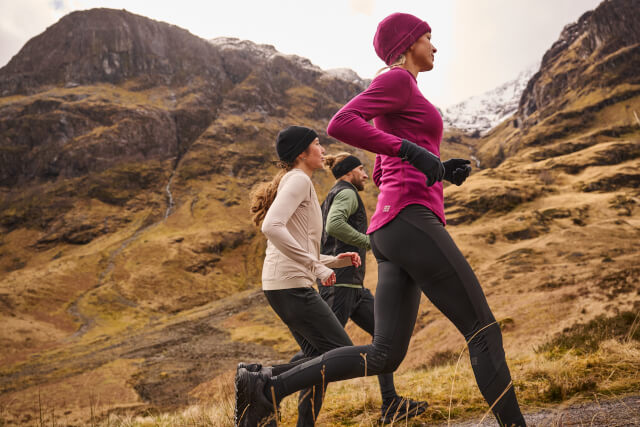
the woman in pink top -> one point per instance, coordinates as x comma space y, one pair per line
415, 253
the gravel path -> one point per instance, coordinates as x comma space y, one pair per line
624, 411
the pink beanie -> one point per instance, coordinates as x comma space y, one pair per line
396, 33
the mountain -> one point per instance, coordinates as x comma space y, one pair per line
130, 270
591, 67
478, 114
552, 222
127, 150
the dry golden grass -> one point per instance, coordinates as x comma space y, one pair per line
76, 399
101, 93
540, 380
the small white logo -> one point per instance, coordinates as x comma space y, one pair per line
386, 208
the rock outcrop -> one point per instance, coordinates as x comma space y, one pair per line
601, 49
105, 87
588, 83
106, 45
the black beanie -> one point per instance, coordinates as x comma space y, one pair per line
345, 166
292, 141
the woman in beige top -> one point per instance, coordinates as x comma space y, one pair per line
291, 220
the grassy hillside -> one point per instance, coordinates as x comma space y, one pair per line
102, 277
130, 270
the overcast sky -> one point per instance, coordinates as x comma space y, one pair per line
481, 43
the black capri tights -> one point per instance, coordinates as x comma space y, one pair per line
416, 254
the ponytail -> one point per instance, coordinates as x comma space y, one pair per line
262, 195
398, 62
331, 160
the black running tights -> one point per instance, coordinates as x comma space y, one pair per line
416, 254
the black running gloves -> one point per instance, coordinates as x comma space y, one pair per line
423, 160
456, 170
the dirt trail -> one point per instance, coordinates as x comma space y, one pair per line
624, 411
86, 322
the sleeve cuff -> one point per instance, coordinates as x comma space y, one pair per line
322, 272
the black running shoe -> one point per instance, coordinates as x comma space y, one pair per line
265, 370
396, 410
252, 407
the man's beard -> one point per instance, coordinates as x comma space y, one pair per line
358, 184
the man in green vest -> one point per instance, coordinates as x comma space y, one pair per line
345, 226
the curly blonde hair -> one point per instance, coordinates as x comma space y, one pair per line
263, 194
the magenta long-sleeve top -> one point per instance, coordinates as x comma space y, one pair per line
399, 111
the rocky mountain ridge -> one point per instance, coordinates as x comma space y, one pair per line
111, 46
174, 85
605, 39
593, 66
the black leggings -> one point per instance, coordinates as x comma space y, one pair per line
416, 254
317, 330
356, 304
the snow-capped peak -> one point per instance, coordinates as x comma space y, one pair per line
269, 53
482, 113
231, 43
348, 75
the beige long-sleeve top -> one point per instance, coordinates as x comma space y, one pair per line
293, 227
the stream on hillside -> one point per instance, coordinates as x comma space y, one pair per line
85, 321
473, 156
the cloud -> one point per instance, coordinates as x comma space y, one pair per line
22, 20
58, 4
362, 6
